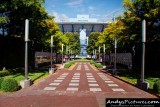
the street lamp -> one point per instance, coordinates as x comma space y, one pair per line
99, 52
95, 54
143, 85
27, 82
51, 71
104, 53
26, 47
115, 50
62, 54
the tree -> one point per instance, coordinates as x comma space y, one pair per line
93, 42
74, 42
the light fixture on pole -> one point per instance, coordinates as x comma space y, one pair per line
115, 54
99, 52
27, 82
51, 71
143, 85
104, 53
115, 51
62, 54
26, 47
95, 54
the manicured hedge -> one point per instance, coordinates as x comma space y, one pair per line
69, 64
4, 73
156, 86
98, 65
92, 62
9, 85
1, 79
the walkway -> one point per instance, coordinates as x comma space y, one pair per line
82, 86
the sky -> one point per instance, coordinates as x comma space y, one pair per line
102, 10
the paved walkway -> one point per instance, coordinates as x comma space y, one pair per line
82, 86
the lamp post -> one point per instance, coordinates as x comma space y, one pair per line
115, 54
104, 53
51, 71
62, 54
143, 49
115, 50
142, 84
27, 82
95, 54
99, 52
26, 47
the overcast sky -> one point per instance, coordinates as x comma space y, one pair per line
101, 9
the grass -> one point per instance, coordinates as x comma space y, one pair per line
132, 78
33, 76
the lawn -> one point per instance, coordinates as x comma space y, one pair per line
33, 76
133, 80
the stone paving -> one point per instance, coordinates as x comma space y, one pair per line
81, 86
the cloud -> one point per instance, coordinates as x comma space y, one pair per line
91, 8
74, 2
59, 16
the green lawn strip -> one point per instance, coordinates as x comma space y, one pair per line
20, 76
133, 80
130, 80
42, 77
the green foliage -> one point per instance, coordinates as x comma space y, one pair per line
69, 64
12, 19
156, 86
98, 65
1, 79
9, 85
4, 72
93, 42
73, 42
92, 62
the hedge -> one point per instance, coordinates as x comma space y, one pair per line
156, 86
9, 85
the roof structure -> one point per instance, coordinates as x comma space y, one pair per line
80, 23
78, 26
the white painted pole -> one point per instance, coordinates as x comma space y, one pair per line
99, 52
62, 54
143, 49
26, 47
104, 53
51, 52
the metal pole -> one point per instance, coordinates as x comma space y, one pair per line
51, 52
66, 53
95, 54
104, 53
62, 54
26, 47
143, 49
99, 53
115, 50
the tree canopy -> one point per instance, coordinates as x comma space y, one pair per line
12, 20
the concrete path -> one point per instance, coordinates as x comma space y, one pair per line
81, 86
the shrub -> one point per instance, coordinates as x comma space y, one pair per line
92, 62
98, 65
156, 86
69, 64
9, 85
4, 72
1, 79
